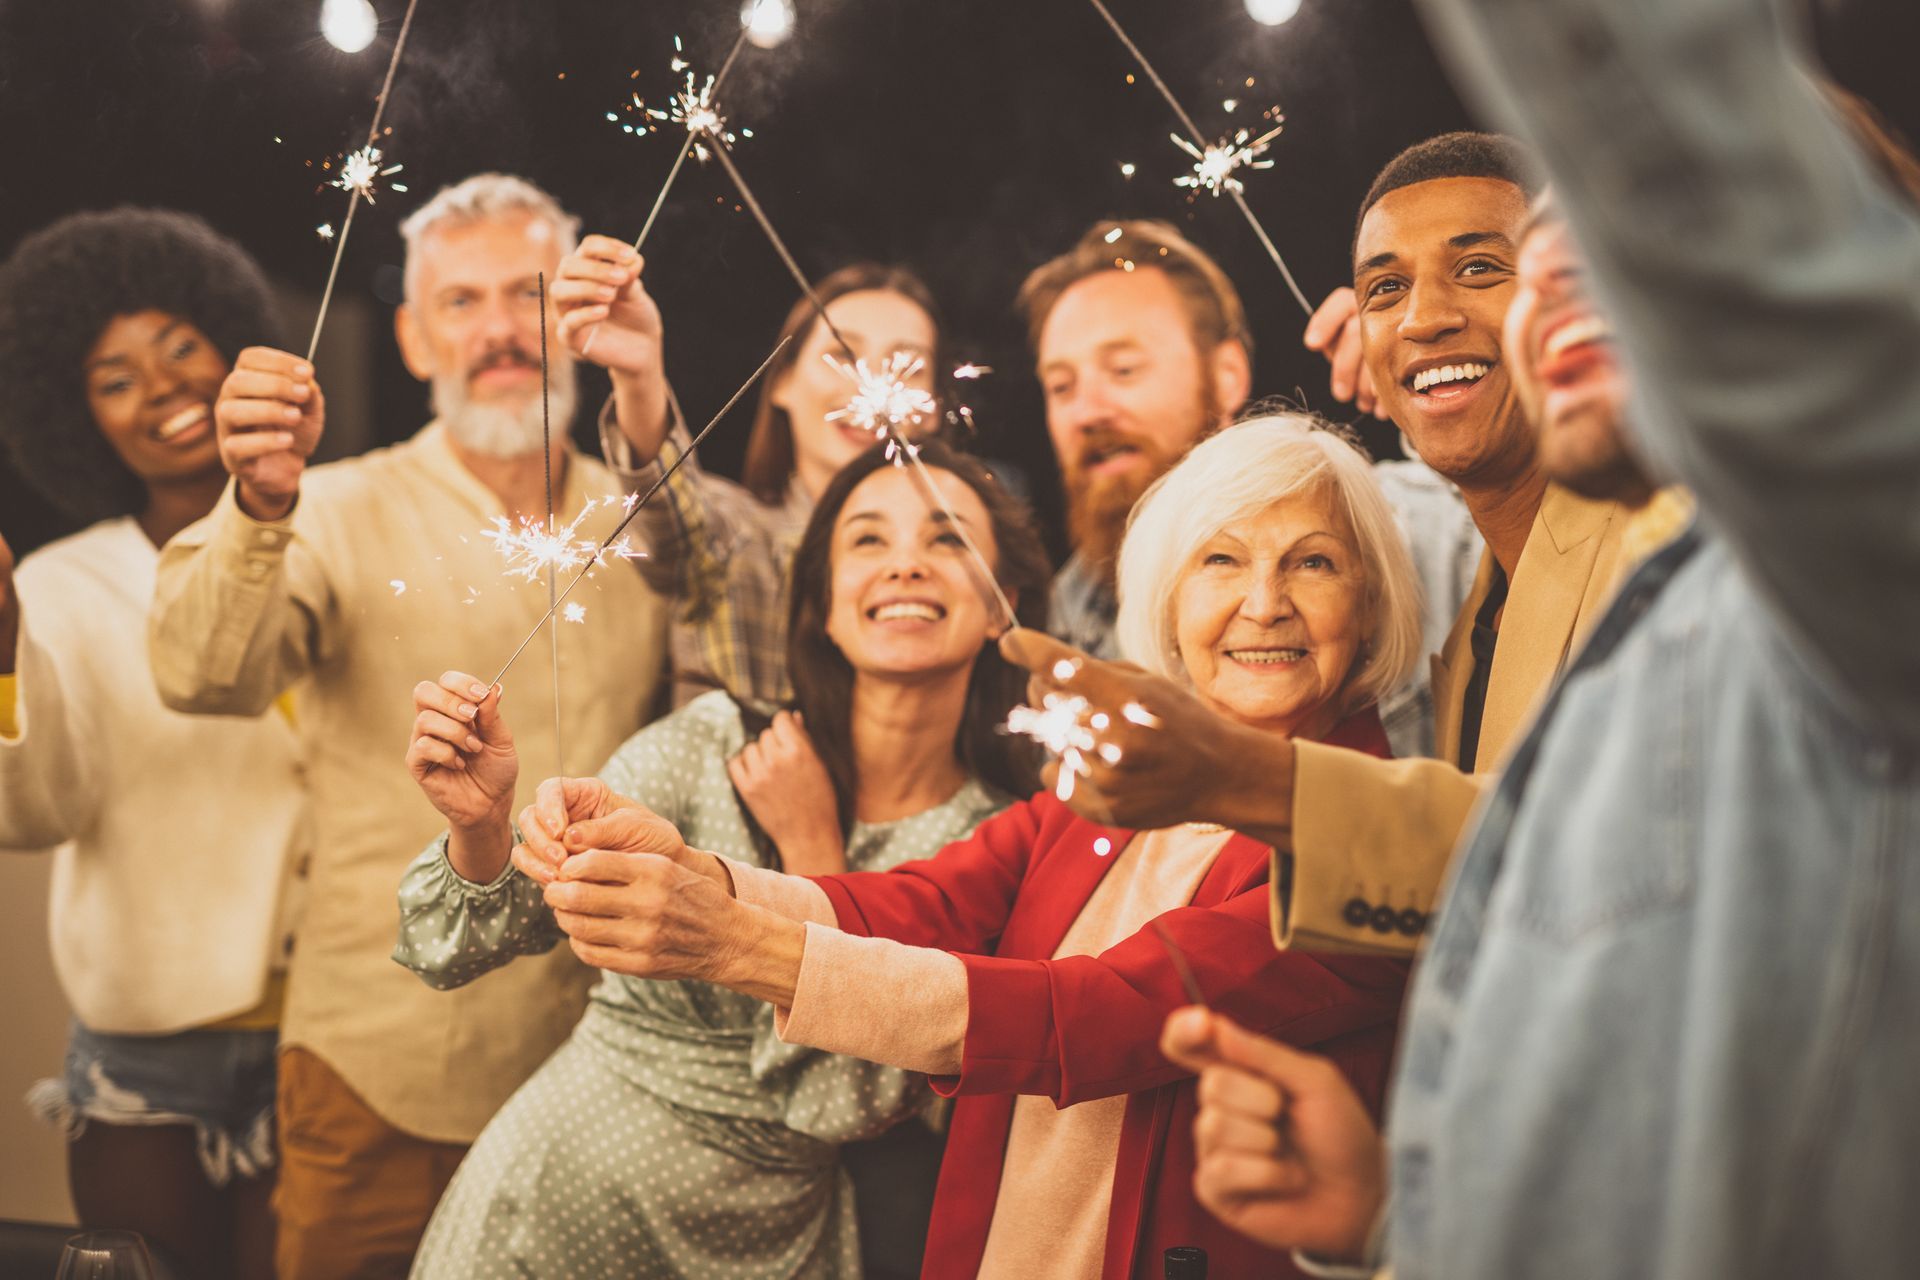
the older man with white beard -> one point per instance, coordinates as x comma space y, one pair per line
353, 582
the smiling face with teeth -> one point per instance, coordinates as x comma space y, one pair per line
904, 601
1271, 612
1566, 370
152, 379
1433, 274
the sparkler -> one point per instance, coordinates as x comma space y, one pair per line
1214, 166
1062, 725
1216, 161
553, 599
699, 113
882, 403
365, 167
614, 539
361, 170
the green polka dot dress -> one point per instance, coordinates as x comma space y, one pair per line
673, 1135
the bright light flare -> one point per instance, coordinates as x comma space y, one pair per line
692, 108
349, 25
1271, 13
530, 547
1061, 725
768, 22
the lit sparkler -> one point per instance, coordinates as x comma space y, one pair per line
900, 450
530, 547
1063, 724
614, 539
1221, 169
575, 613
884, 400
365, 168
1214, 165
361, 171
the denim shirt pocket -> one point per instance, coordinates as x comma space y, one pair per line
1611, 828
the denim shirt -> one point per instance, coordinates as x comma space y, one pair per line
1666, 1024
1669, 1021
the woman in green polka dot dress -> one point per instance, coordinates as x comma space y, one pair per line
674, 1134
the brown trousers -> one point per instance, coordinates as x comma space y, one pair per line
355, 1193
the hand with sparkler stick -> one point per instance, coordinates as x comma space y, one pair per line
269, 419
606, 314
462, 756
359, 170
1136, 750
696, 113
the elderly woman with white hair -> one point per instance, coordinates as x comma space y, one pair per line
1028, 968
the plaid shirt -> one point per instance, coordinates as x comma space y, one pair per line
724, 558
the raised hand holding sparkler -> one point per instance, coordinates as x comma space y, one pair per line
358, 173
269, 418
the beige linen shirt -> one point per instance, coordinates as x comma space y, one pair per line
381, 578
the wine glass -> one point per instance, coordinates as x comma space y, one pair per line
106, 1255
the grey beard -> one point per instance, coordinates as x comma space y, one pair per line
503, 430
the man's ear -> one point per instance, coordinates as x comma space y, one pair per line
1232, 374
413, 343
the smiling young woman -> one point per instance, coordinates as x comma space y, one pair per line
116, 332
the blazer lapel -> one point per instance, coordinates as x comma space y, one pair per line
1553, 589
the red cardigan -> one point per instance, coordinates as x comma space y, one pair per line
1089, 1026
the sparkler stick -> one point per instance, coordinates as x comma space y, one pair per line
355, 189
1200, 148
686, 145
553, 599
886, 426
633, 507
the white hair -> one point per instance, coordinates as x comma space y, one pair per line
485, 195
1234, 476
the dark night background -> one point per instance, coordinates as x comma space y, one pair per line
968, 140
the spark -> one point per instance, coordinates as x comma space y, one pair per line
1114, 235
530, 547
1127, 169
1214, 167
575, 613
324, 231
693, 108
971, 370
1061, 725
360, 170
883, 401
1229, 104
399, 587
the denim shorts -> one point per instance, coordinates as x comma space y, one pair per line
220, 1082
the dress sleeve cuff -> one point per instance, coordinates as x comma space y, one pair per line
878, 999
9, 701
795, 897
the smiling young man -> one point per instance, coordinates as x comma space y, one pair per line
356, 581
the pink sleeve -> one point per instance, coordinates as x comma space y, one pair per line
795, 897
877, 999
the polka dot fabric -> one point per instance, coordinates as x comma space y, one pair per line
673, 1135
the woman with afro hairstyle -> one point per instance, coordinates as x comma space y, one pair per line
173, 835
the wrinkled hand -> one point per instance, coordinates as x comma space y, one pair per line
785, 786
461, 754
1334, 331
1286, 1153
646, 914
1185, 764
569, 816
9, 611
269, 418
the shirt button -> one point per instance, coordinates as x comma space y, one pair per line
1357, 912
1413, 922
1384, 919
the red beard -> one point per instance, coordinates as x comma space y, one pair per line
1098, 505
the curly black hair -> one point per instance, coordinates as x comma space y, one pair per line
61, 287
